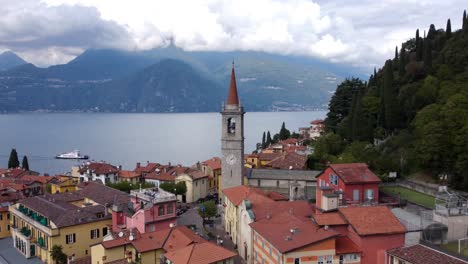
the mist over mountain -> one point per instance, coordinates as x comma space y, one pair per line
169, 80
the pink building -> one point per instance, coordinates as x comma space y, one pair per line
149, 210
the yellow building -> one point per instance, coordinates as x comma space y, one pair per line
212, 168
64, 184
72, 220
4, 222
196, 182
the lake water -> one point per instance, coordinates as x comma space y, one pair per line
124, 139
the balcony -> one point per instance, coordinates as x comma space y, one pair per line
32, 218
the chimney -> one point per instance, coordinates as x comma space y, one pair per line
169, 164
120, 167
138, 165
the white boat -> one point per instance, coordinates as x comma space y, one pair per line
72, 155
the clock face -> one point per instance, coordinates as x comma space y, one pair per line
231, 159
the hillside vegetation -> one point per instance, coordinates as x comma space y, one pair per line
410, 116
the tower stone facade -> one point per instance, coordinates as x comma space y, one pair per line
232, 138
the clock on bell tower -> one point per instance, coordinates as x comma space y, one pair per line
232, 138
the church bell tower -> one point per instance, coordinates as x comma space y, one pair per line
232, 138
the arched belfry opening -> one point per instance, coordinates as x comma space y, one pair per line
231, 125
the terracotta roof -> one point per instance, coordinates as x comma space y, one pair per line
277, 231
268, 156
333, 218
239, 193
317, 122
83, 260
372, 220
344, 245
200, 253
102, 194
233, 99
129, 174
289, 141
355, 173
118, 261
289, 161
213, 163
276, 196
150, 167
180, 237
99, 168
301, 209
196, 174
162, 176
41, 179
420, 254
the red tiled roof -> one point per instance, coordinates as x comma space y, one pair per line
83, 260
317, 122
99, 168
268, 156
200, 253
180, 237
129, 174
196, 174
289, 161
213, 163
420, 254
289, 141
277, 231
301, 209
150, 167
151, 241
239, 193
372, 220
344, 245
32, 178
355, 173
233, 99
329, 219
162, 176
276, 196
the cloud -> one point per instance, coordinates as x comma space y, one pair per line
358, 32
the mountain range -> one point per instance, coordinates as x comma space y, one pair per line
167, 80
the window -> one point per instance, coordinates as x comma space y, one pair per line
8, 227
86, 252
161, 210
277, 184
104, 231
329, 259
333, 179
8, 216
70, 239
370, 194
170, 208
356, 195
297, 261
94, 233
320, 260
258, 182
1, 217
401, 262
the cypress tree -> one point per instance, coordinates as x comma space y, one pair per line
402, 64
13, 161
268, 139
432, 32
263, 140
25, 163
464, 26
284, 133
448, 29
418, 46
361, 128
390, 98
428, 55
396, 53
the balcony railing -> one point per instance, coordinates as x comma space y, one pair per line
28, 217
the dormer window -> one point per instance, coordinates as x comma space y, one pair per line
231, 125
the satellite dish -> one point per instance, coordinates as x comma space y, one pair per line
121, 234
131, 237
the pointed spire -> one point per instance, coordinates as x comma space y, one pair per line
233, 99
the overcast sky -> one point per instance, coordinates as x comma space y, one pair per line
356, 32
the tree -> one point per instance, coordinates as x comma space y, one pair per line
284, 133
13, 161
207, 209
402, 63
427, 55
464, 22
25, 163
432, 32
126, 186
448, 29
264, 140
268, 140
390, 98
180, 188
396, 53
57, 255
